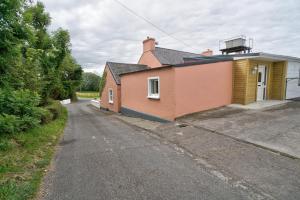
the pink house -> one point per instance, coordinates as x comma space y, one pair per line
165, 84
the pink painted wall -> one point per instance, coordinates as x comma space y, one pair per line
135, 91
183, 90
149, 59
111, 84
202, 87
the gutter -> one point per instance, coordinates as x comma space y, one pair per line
202, 62
144, 70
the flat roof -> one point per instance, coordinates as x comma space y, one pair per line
261, 55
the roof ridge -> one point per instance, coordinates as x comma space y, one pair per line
178, 50
124, 63
118, 68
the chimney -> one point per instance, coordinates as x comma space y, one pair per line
149, 44
208, 52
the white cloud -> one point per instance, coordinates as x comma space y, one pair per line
102, 30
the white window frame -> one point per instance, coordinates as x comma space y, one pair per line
110, 97
150, 95
299, 78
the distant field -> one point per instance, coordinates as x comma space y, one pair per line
88, 94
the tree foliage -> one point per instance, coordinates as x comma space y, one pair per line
102, 83
33, 62
90, 82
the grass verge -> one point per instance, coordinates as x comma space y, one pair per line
24, 158
91, 95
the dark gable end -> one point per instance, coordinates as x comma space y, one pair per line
119, 68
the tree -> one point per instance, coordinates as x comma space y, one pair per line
102, 83
34, 64
71, 77
11, 35
65, 75
30, 57
90, 82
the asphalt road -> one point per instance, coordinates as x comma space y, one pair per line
101, 157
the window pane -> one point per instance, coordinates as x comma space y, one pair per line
259, 76
156, 86
110, 97
152, 86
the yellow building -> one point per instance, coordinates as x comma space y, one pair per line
262, 76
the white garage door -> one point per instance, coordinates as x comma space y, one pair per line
293, 80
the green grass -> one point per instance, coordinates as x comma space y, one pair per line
90, 94
24, 157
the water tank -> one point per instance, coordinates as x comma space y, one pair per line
237, 42
236, 45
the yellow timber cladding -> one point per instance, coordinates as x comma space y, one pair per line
245, 78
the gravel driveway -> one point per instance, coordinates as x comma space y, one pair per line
277, 128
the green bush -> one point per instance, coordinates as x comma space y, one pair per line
27, 122
55, 108
19, 110
46, 116
8, 124
19, 102
5, 145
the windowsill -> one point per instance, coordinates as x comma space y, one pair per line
111, 102
153, 97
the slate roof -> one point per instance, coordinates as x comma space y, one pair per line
171, 56
119, 68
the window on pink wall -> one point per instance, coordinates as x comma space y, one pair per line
110, 96
153, 88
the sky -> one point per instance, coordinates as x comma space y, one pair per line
103, 30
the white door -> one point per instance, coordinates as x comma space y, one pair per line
293, 80
261, 83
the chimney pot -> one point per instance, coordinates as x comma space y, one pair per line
149, 44
208, 52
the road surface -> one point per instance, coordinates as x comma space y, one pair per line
100, 157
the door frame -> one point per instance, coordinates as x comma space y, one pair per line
265, 81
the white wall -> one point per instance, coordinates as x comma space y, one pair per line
293, 88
